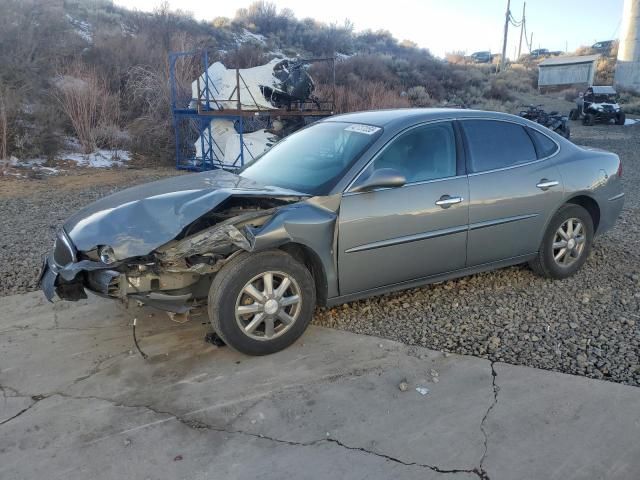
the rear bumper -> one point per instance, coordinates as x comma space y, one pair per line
609, 212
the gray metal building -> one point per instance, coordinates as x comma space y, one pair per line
577, 70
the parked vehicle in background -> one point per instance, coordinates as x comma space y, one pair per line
603, 47
349, 207
481, 57
539, 52
598, 104
552, 120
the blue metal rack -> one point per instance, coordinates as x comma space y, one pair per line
192, 116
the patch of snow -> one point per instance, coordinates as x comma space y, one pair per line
247, 36
631, 121
342, 56
99, 159
34, 164
82, 28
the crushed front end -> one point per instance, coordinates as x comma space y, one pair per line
171, 277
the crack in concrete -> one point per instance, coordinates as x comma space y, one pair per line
479, 471
494, 375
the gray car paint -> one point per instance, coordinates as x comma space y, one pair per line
141, 219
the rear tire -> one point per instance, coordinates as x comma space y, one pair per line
589, 119
248, 310
565, 248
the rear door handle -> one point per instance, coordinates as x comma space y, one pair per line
446, 201
545, 184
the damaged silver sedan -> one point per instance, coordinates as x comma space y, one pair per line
349, 207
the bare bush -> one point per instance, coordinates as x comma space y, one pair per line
4, 126
363, 96
605, 70
87, 103
246, 56
499, 90
419, 97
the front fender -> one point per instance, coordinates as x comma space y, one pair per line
310, 223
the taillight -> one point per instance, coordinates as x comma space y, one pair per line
619, 168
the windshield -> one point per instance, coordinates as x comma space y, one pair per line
604, 98
314, 159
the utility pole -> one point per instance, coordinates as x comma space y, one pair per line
506, 30
524, 6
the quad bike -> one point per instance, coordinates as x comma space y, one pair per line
553, 120
598, 104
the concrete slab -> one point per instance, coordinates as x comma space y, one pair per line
78, 401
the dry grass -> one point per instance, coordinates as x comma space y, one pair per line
363, 96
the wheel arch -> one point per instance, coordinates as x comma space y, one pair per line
311, 260
590, 205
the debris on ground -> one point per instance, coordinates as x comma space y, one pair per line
403, 386
214, 339
422, 390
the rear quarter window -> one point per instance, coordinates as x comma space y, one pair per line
495, 144
544, 145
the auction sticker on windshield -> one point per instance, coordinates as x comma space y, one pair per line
360, 128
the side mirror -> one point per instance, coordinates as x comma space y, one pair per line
383, 178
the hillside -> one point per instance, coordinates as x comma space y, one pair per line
88, 75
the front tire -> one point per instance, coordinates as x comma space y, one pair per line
566, 243
574, 114
620, 118
261, 303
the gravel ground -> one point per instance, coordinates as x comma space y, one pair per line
586, 325
32, 208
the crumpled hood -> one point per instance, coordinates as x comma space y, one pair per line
140, 219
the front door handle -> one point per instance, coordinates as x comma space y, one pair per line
446, 201
545, 184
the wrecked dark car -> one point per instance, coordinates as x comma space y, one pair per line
349, 207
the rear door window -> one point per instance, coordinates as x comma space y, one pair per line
495, 144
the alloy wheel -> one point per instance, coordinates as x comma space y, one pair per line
268, 305
569, 242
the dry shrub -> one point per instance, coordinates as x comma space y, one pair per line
4, 126
363, 96
605, 69
149, 91
456, 58
630, 101
246, 56
84, 98
499, 90
419, 97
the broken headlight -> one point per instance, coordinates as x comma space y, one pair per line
107, 255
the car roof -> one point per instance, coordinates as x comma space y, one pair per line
404, 117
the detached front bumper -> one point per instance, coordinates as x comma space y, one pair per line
69, 282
